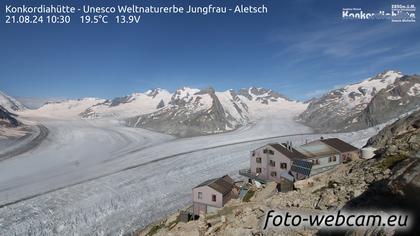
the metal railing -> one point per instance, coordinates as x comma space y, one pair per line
247, 173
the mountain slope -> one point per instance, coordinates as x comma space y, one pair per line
7, 119
10, 103
129, 106
190, 112
361, 105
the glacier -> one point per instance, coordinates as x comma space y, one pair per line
99, 177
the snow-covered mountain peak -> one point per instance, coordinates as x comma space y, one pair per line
196, 98
130, 105
359, 94
262, 95
155, 92
389, 75
10, 103
185, 92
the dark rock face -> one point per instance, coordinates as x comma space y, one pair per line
153, 93
369, 103
117, 101
7, 119
161, 104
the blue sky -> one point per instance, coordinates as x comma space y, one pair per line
300, 48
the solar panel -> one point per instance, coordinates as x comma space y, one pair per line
302, 167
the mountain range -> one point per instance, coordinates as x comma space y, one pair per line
191, 112
371, 102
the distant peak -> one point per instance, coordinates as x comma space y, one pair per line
388, 74
153, 92
209, 90
189, 90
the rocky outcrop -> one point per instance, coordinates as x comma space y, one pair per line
7, 119
401, 138
399, 148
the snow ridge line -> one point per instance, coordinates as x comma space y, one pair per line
150, 162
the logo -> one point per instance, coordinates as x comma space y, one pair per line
397, 13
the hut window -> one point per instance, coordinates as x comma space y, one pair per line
315, 162
274, 174
272, 163
283, 165
213, 197
271, 152
265, 151
253, 153
200, 195
258, 170
258, 159
334, 158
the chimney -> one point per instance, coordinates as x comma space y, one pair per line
288, 145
